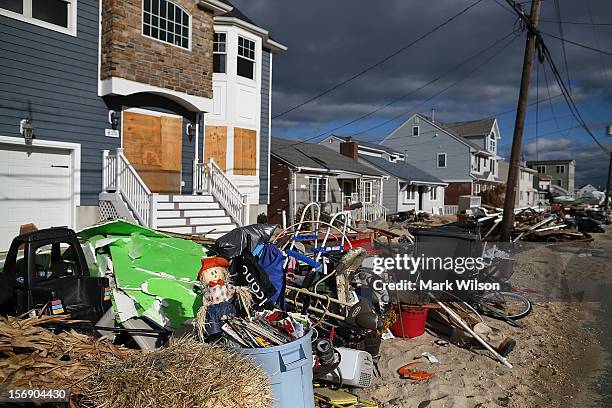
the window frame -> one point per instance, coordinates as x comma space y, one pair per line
541, 166
438, 161
317, 180
476, 188
252, 60
190, 27
365, 197
411, 193
433, 193
561, 167
26, 17
218, 52
418, 131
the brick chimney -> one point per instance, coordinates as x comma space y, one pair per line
350, 149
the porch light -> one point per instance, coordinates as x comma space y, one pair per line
190, 129
27, 131
113, 119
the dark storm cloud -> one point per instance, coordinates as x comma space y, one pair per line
332, 40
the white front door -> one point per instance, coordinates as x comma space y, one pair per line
35, 187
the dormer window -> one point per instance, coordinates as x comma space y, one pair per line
166, 21
220, 53
246, 58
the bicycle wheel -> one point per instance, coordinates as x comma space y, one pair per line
510, 304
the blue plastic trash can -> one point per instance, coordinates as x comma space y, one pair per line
289, 369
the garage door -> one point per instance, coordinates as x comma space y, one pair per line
35, 186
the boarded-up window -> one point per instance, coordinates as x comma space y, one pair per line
216, 145
153, 145
245, 152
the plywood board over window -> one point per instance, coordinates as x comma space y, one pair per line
245, 152
153, 145
216, 145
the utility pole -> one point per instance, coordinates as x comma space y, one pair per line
609, 132
519, 124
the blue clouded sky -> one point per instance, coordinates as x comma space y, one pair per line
329, 41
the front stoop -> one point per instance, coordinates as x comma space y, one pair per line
192, 214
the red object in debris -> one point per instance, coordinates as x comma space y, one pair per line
414, 319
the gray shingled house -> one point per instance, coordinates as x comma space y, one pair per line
301, 173
405, 187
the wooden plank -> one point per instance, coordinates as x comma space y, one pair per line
142, 139
245, 152
215, 146
153, 145
172, 143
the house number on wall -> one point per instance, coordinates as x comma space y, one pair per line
111, 133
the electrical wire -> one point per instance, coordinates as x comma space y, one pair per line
601, 58
379, 62
438, 93
578, 44
575, 22
560, 24
404, 96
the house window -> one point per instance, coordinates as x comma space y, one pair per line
478, 161
541, 169
476, 188
492, 166
53, 14
317, 187
219, 53
492, 142
521, 196
167, 22
560, 169
415, 131
246, 58
410, 193
441, 160
367, 192
433, 193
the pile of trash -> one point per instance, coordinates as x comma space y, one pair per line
543, 224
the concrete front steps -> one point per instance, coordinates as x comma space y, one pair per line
192, 214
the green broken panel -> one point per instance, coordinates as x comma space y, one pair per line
118, 227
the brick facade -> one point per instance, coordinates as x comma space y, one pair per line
454, 190
280, 178
128, 54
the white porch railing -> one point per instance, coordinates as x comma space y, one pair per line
451, 209
119, 176
372, 211
211, 178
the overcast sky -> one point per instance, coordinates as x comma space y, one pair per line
331, 40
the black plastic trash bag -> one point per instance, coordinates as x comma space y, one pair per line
245, 271
234, 242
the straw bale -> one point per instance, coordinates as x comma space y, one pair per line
185, 374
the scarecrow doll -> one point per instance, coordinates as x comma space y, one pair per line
217, 296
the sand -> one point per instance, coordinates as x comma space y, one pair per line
558, 360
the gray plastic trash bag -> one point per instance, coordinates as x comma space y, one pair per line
234, 242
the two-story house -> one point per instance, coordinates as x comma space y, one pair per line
104, 107
462, 154
405, 187
562, 172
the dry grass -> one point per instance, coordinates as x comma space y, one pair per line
185, 374
32, 356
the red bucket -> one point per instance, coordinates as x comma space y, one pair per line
414, 319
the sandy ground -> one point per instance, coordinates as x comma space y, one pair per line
559, 359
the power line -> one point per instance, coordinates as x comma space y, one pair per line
578, 44
378, 63
567, 96
558, 11
601, 58
404, 96
440, 92
576, 22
